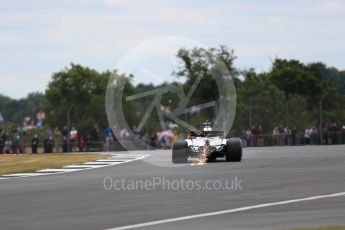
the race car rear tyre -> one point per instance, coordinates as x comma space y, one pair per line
233, 149
211, 158
179, 152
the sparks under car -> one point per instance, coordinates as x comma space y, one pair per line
209, 142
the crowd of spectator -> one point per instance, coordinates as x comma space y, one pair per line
161, 139
252, 137
56, 140
64, 140
330, 133
12, 142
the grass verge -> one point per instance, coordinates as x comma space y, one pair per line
31, 162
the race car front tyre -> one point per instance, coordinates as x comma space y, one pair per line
233, 149
179, 152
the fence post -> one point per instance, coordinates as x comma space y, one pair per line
68, 127
321, 122
288, 111
250, 111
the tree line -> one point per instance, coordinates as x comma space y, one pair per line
291, 93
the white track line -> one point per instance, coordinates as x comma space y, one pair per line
23, 175
97, 163
113, 160
109, 161
78, 166
164, 221
54, 170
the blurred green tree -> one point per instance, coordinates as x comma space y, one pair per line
80, 90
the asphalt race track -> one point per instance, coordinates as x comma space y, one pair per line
268, 175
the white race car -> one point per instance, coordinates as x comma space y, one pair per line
211, 143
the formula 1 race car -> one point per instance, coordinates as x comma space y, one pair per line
211, 144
